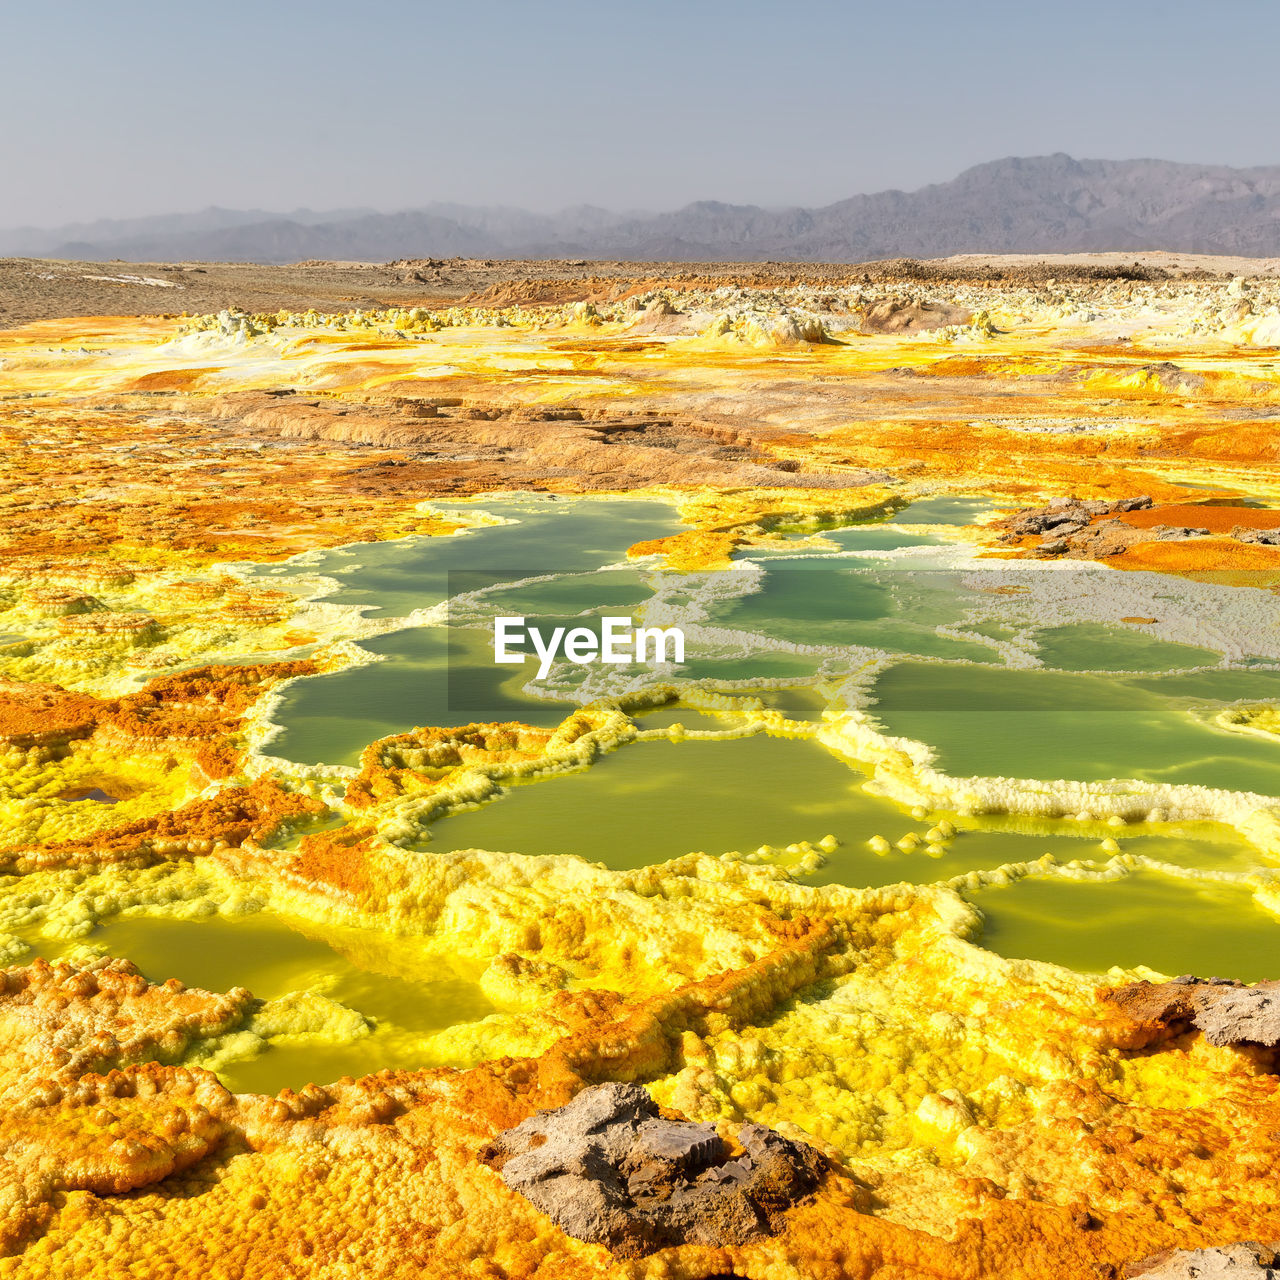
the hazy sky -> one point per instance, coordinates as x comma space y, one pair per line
125, 107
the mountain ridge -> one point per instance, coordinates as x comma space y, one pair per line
1019, 204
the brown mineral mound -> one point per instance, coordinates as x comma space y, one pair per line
662, 319
43, 714
1227, 1013
515, 444
899, 315
294, 417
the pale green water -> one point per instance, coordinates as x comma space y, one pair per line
332, 718
552, 535
650, 801
885, 533
982, 844
1048, 724
946, 510
894, 610
1092, 647
1172, 925
887, 538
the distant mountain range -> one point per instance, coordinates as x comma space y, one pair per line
1040, 204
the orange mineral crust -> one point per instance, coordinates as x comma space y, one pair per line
973, 1117
385, 1172
153, 753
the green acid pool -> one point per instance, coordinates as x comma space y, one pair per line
1169, 924
983, 671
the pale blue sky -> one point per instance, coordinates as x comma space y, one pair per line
126, 107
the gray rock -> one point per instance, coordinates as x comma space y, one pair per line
1174, 533
1246, 1261
1239, 1015
1266, 537
1224, 1011
609, 1169
1068, 515
1065, 515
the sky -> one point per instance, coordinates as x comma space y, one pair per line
120, 108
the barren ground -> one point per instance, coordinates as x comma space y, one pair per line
44, 289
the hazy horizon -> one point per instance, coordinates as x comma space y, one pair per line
140, 110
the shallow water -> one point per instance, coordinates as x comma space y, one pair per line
651, 801
987, 843
1105, 702
812, 602
427, 676
1168, 924
1088, 646
400, 988
1049, 724
552, 535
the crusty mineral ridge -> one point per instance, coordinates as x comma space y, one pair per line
607, 1168
981, 1119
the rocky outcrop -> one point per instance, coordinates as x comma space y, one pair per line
609, 1169
1067, 515
660, 317
1263, 537
1067, 526
1226, 1012
1247, 1261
